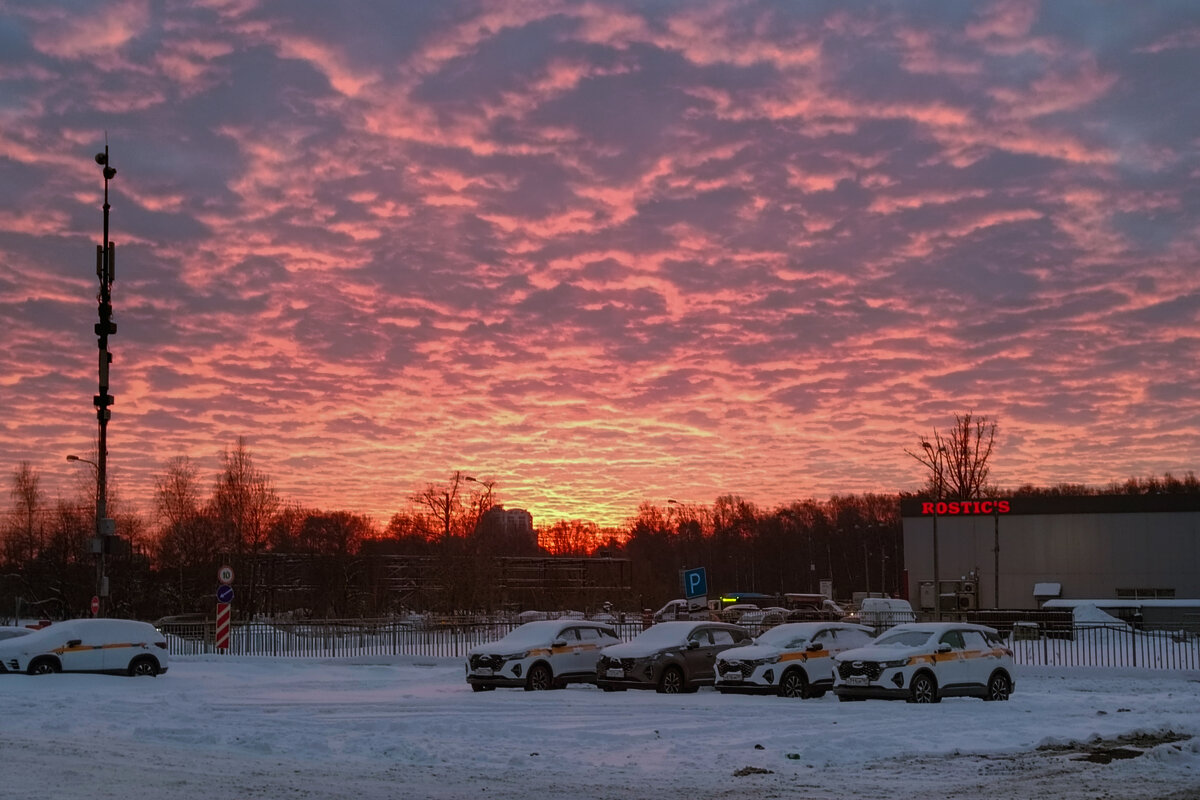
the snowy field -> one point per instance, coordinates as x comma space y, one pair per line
401, 727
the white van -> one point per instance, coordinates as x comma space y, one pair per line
678, 610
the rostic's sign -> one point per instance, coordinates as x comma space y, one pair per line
951, 508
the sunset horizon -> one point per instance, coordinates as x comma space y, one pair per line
601, 254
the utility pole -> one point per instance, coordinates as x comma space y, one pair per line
105, 272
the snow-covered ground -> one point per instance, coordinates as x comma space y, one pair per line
401, 727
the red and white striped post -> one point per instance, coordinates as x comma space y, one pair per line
224, 604
223, 626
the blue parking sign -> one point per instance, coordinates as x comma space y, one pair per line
695, 584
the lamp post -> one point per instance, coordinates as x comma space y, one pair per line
936, 456
99, 542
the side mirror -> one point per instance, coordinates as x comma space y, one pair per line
692, 644
944, 647
815, 646
74, 642
559, 643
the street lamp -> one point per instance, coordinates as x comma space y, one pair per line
936, 456
83, 460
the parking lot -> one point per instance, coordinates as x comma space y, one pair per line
411, 727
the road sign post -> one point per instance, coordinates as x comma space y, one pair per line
224, 610
695, 588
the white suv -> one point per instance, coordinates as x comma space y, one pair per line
924, 662
115, 646
792, 660
547, 654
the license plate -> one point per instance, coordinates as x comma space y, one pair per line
614, 673
736, 678
857, 680
484, 671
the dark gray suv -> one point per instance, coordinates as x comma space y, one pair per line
670, 657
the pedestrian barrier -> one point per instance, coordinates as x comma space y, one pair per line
453, 637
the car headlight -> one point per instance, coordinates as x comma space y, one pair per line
516, 656
899, 662
760, 662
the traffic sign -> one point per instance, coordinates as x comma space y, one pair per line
225, 574
695, 583
224, 593
95, 605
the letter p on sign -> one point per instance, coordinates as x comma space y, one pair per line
695, 584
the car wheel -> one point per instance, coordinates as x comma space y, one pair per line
998, 687
44, 666
539, 679
143, 666
671, 681
794, 683
923, 689
479, 687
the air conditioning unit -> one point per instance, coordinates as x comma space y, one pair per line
966, 601
967, 587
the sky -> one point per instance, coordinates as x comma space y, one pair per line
601, 253
402, 726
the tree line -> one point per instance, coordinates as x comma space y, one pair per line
452, 541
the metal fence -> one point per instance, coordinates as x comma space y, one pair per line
1032, 645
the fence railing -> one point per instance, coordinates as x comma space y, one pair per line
1078, 646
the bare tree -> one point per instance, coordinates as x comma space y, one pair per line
452, 510
577, 538
957, 463
244, 502
23, 534
184, 538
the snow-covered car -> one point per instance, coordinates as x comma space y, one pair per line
671, 657
763, 618
791, 660
114, 646
924, 662
13, 631
546, 654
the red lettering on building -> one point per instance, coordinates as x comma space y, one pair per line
959, 508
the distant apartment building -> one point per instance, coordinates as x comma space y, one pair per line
510, 527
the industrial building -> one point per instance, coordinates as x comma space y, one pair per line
1019, 552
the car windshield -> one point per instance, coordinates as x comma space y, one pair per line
783, 638
664, 635
903, 639
530, 634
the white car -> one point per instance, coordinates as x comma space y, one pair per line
116, 646
13, 631
791, 660
547, 654
924, 662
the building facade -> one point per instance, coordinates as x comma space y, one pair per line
1017, 553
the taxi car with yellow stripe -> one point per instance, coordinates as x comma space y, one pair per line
924, 662
791, 660
113, 646
547, 654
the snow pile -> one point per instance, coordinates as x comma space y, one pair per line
1092, 615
